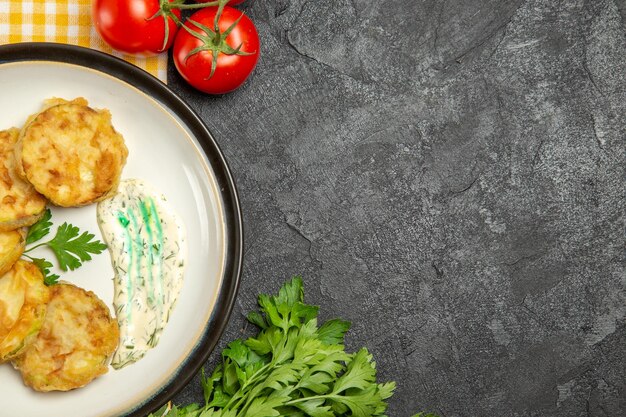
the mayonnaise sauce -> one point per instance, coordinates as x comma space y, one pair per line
148, 247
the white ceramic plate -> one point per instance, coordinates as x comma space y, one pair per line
170, 148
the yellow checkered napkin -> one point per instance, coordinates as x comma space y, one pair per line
63, 21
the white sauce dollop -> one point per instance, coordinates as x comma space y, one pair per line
148, 247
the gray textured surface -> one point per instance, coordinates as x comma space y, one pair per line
449, 176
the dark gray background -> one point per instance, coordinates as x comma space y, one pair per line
449, 176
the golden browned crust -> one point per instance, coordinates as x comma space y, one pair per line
71, 153
23, 299
20, 204
74, 345
11, 247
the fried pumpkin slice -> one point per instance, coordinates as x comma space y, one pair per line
11, 248
75, 344
20, 204
23, 299
71, 153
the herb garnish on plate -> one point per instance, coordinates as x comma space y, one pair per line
69, 246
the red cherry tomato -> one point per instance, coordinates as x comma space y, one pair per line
133, 26
194, 57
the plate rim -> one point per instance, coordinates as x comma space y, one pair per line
226, 187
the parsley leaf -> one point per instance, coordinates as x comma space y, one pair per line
292, 367
40, 229
332, 331
70, 247
44, 266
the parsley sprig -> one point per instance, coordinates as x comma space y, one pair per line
293, 367
70, 247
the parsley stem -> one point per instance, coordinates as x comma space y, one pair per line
254, 376
34, 247
314, 397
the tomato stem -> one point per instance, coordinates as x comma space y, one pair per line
165, 11
197, 5
218, 3
213, 40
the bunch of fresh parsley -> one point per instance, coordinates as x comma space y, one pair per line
293, 367
70, 248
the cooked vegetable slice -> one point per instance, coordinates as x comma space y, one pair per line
20, 204
23, 299
11, 247
74, 345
